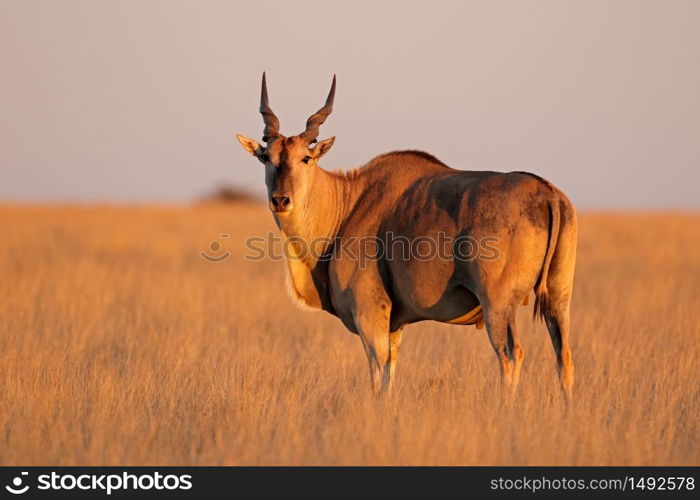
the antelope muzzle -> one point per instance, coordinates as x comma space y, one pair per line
281, 203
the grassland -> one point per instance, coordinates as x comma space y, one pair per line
120, 345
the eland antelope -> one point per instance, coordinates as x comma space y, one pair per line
411, 196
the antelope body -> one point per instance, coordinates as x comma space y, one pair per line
411, 196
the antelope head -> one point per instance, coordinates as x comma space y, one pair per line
289, 161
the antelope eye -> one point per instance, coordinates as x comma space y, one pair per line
264, 157
306, 159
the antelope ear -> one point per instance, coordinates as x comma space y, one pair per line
250, 145
323, 147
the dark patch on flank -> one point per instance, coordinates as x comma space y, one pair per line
536, 210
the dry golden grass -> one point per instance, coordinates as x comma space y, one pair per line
120, 345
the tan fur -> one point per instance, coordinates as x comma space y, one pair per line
291, 278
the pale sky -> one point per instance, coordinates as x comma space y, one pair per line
137, 101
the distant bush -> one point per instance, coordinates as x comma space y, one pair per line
229, 194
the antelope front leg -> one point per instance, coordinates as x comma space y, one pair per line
381, 347
394, 344
377, 350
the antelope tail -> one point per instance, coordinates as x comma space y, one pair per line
542, 305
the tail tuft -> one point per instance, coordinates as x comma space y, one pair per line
542, 306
